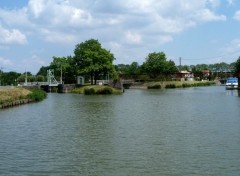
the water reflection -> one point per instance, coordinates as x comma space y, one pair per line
192, 131
235, 93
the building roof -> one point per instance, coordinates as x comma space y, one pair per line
184, 72
205, 71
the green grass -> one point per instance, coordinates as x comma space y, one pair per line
154, 86
12, 94
8, 95
185, 84
96, 90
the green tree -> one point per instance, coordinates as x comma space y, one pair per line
40, 78
43, 71
10, 78
237, 65
134, 68
60, 65
156, 64
171, 68
129, 71
91, 59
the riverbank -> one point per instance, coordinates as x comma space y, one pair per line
96, 90
14, 96
171, 84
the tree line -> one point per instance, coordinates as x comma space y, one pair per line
94, 62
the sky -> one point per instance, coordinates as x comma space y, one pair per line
199, 31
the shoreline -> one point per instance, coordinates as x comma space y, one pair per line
15, 103
171, 84
15, 96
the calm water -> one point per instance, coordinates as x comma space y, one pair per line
193, 131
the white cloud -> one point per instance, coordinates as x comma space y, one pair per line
165, 39
58, 37
133, 37
233, 46
214, 3
36, 7
12, 36
207, 15
15, 17
142, 24
57, 13
5, 62
237, 15
114, 45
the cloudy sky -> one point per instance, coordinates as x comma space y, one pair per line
198, 31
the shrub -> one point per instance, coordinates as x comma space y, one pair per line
105, 91
155, 86
170, 86
184, 85
89, 91
37, 95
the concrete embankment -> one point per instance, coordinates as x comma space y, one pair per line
14, 103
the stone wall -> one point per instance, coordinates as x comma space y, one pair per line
14, 103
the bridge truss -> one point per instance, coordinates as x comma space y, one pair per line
51, 79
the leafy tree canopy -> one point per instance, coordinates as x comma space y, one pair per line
237, 65
156, 64
91, 59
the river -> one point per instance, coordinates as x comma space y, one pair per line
192, 131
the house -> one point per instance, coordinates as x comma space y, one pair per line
184, 74
205, 73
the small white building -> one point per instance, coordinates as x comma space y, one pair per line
80, 80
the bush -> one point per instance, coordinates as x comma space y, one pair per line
170, 86
184, 85
89, 91
105, 91
37, 95
155, 86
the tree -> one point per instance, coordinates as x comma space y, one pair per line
60, 65
43, 70
237, 65
9, 78
129, 71
156, 64
171, 68
91, 59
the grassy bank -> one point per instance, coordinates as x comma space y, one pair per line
96, 90
15, 96
178, 84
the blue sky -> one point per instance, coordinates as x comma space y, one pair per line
199, 31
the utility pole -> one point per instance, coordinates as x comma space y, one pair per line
180, 60
26, 82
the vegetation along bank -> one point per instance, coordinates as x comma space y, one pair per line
178, 84
14, 96
96, 90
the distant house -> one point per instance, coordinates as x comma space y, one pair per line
184, 74
205, 73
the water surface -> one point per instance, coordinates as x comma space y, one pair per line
193, 131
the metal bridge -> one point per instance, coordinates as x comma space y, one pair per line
52, 82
